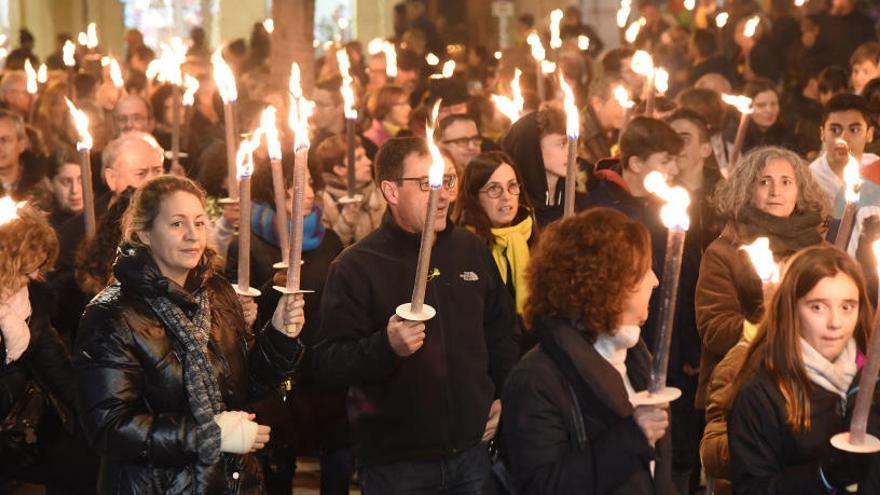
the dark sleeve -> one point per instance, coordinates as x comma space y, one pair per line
110, 386
50, 360
538, 440
755, 438
499, 325
350, 349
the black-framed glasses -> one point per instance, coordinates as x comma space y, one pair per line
495, 190
425, 185
465, 141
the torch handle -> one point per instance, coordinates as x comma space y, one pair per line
70, 92
296, 231
738, 141
651, 99
85, 163
542, 92
668, 296
244, 234
280, 209
421, 281
570, 177
844, 229
175, 126
867, 383
349, 139
185, 134
229, 122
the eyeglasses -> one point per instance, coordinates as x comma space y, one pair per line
465, 141
495, 190
425, 185
131, 119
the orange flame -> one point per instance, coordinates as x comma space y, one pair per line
42, 74
537, 47
116, 73
244, 158
224, 77
623, 13
9, 209
68, 53
853, 180
721, 19
81, 122
621, 94
751, 26
632, 32
555, 19
572, 120
762, 259
300, 111
743, 104
642, 63
674, 212
192, 85
512, 108
91, 36
661, 80
390, 59
269, 128
438, 164
347, 88
31, 77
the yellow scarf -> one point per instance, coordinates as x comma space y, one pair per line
511, 248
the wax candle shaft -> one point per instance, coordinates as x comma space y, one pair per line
85, 164
668, 296
296, 231
229, 122
867, 383
175, 126
349, 139
650, 102
844, 229
570, 177
542, 92
280, 209
738, 141
427, 244
244, 234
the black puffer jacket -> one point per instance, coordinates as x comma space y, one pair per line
130, 386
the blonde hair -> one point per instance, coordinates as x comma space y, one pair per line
28, 244
734, 193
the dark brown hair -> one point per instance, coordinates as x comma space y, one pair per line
644, 136
380, 103
585, 266
389, 160
705, 102
333, 151
551, 120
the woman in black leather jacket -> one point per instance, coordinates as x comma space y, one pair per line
166, 359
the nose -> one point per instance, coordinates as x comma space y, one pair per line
773, 188
654, 280
835, 319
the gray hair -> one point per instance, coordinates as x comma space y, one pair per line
118, 146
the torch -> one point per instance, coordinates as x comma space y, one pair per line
416, 309
643, 65
555, 38
225, 80
853, 183
84, 146
68, 52
749, 29
743, 104
390, 59
572, 130
9, 209
347, 90
512, 108
539, 54
189, 98
621, 96
32, 88
632, 32
244, 163
269, 129
298, 120
766, 267
675, 218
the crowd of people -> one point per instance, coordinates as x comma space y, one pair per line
131, 365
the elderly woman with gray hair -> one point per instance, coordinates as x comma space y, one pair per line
771, 193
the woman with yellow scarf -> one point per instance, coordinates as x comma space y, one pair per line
489, 203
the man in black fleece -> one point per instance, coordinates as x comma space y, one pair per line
423, 397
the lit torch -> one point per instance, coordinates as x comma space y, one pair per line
191, 85
68, 52
623, 13
390, 59
751, 26
350, 112
416, 309
512, 108
225, 81
583, 43
539, 54
762, 260
555, 38
9, 209
244, 168
632, 32
269, 128
853, 183
743, 105
572, 130
622, 97
643, 65
84, 146
32, 88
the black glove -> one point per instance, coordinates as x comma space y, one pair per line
842, 468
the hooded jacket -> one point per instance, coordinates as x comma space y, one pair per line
434, 403
523, 144
130, 386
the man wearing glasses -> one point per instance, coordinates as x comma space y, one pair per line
422, 397
133, 113
460, 138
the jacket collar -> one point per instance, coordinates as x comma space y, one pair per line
406, 239
138, 274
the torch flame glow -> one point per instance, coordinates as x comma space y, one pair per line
91, 36
853, 180
572, 117
661, 80
347, 88
375, 46
642, 63
116, 73
42, 74
300, 111
632, 32
721, 19
390, 59
192, 85
448, 69
623, 13
800, 3
432, 59
743, 104
621, 94
269, 128
244, 158
167, 66
9, 209
690, 4
31, 77
674, 212
512, 108
538, 51
224, 77
548, 67
751, 26
438, 164
762, 259
555, 19
68, 51
81, 122
269, 25
82, 38
583, 43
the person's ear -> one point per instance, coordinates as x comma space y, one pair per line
705, 150
144, 237
390, 191
635, 165
870, 136
340, 170
110, 178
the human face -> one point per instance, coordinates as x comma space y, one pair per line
635, 307
663, 162
178, 236
852, 128
67, 188
766, 109
17, 97
132, 114
828, 314
134, 166
862, 73
409, 203
501, 210
554, 150
462, 140
328, 110
694, 152
776, 189
610, 114
11, 147
399, 114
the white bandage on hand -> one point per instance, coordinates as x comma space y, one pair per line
237, 432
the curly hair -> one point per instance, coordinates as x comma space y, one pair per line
147, 200
93, 267
584, 267
28, 244
733, 194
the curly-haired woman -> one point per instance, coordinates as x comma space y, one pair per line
770, 193
568, 424
31, 353
166, 360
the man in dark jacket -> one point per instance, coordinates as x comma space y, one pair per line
420, 393
603, 119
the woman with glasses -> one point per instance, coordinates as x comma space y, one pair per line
489, 203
